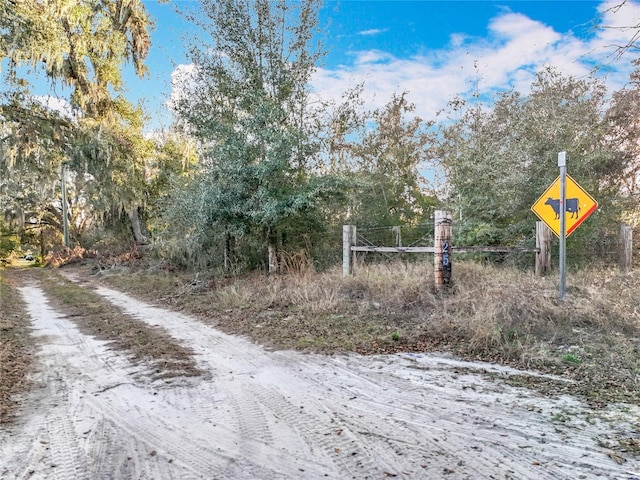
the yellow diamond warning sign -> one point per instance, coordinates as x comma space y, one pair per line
578, 206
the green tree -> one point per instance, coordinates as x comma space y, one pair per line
622, 119
247, 104
83, 45
388, 168
498, 160
31, 149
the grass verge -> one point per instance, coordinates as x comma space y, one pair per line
16, 346
492, 313
97, 317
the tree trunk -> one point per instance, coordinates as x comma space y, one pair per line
229, 252
42, 250
136, 227
272, 239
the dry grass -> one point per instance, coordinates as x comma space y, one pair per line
16, 347
97, 317
491, 313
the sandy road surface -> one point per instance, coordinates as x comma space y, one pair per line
284, 415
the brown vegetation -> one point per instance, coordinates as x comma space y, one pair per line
492, 313
97, 317
15, 346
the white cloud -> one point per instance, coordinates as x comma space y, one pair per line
515, 48
371, 56
182, 84
372, 31
60, 105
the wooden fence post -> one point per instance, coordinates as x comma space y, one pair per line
348, 256
543, 244
626, 247
442, 249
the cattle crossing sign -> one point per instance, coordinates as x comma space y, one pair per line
578, 206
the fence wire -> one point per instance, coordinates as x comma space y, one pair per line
600, 249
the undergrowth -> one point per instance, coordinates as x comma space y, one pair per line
16, 346
491, 313
97, 317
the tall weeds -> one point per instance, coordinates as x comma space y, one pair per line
489, 311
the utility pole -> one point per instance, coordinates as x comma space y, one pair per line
65, 225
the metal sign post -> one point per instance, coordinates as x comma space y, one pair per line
553, 206
562, 164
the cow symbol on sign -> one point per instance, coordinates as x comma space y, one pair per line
571, 206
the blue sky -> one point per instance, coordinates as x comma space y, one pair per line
433, 49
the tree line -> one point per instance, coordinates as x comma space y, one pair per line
255, 170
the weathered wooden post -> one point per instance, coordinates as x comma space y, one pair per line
442, 249
626, 247
397, 235
348, 256
543, 245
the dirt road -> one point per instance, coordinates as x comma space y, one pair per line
283, 415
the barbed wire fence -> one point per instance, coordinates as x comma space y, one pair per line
402, 236
599, 248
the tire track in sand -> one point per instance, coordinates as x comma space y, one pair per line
348, 407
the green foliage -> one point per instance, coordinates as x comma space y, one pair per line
251, 169
498, 161
571, 358
246, 105
384, 157
82, 45
623, 139
392, 189
30, 157
9, 241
